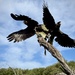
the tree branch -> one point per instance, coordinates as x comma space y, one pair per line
55, 53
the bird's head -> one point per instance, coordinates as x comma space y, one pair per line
58, 24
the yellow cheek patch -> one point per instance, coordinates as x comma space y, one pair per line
44, 27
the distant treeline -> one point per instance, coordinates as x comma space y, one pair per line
50, 70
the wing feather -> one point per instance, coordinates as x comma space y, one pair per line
21, 35
48, 18
28, 21
65, 40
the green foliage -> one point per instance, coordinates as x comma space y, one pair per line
50, 70
72, 65
6, 71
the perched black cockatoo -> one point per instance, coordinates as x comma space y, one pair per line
54, 29
29, 31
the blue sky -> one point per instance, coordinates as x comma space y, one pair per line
28, 54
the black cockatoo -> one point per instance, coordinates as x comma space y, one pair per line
54, 29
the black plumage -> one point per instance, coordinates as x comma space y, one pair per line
54, 29
24, 33
29, 31
48, 18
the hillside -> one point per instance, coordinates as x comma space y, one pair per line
50, 70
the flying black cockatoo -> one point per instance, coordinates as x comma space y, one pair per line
32, 28
29, 31
54, 29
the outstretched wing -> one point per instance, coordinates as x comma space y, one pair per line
65, 40
21, 35
28, 21
48, 18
